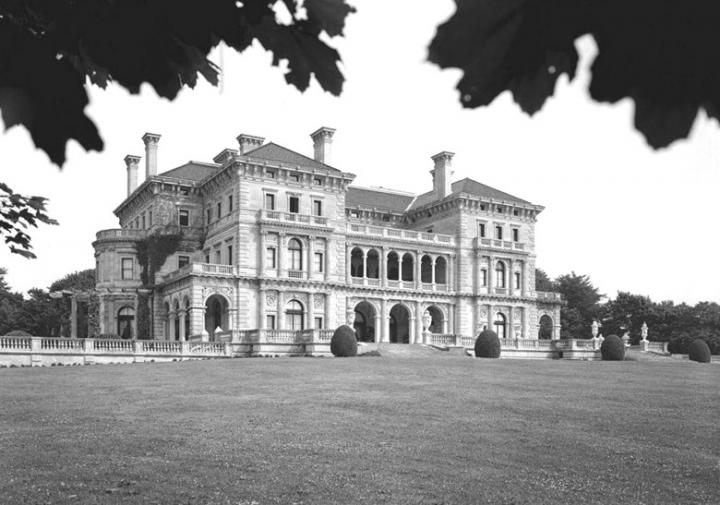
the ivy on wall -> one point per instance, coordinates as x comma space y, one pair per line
144, 317
93, 315
152, 252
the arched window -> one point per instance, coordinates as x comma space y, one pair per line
178, 322
500, 274
295, 259
393, 273
356, 262
426, 269
187, 318
500, 324
126, 317
294, 315
407, 267
373, 264
440, 270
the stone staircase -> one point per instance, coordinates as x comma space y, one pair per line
405, 350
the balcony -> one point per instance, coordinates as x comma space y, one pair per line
491, 243
202, 269
548, 296
120, 234
278, 216
397, 284
397, 233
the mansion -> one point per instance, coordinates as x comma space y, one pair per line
265, 238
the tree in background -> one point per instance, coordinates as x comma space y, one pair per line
10, 304
51, 49
543, 282
581, 304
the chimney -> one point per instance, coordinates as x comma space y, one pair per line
151, 141
249, 142
441, 174
322, 142
131, 162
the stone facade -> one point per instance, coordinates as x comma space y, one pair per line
272, 239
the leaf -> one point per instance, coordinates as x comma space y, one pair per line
659, 54
329, 14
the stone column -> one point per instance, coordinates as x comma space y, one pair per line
385, 330
510, 328
182, 326
418, 273
418, 324
101, 315
450, 326
134, 323
382, 268
348, 264
365, 275
511, 277
262, 295
73, 317
524, 278
451, 273
171, 325
282, 270
280, 313
263, 252
378, 328
310, 311
311, 256
491, 274
326, 259
433, 262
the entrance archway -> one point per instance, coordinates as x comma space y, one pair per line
545, 332
399, 325
365, 322
216, 314
500, 325
438, 320
125, 320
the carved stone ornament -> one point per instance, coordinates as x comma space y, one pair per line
318, 301
518, 312
483, 314
270, 299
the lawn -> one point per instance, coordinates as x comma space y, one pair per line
363, 430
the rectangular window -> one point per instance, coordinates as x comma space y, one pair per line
270, 173
127, 269
218, 257
229, 255
317, 207
481, 230
219, 210
319, 262
498, 232
516, 234
294, 204
230, 202
209, 215
295, 260
270, 258
207, 258
137, 223
517, 280
269, 201
483, 277
270, 322
183, 260
184, 218
319, 323
150, 219
143, 221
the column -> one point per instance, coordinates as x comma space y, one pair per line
511, 277
261, 308
311, 311
524, 279
418, 324
451, 272
418, 271
365, 275
348, 256
263, 250
282, 271
491, 274
73, 317
326, 259
385, 334
510, 329
134, 323
378, 328
280, 312
171, 326
382, 269
182, 326
433, 260
451, 319
311, 256
101, 315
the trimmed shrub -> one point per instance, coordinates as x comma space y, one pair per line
699, 351
612, 349
487, 345
344, 343
18, 333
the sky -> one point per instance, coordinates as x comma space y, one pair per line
631, 218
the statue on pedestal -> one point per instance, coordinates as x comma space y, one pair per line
644, 331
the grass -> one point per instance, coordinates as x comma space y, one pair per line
375, 431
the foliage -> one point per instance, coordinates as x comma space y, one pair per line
80, 280
153, 250
612, 348
343, 343
699, 351
487, 345
581, 307
17, 212
144, 318
660, 55
543, 282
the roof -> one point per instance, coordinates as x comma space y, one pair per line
192, 170
280, 154
471, 187
378, 198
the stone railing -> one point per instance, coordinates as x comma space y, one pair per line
120, 234
412, 235
548, 296
38, 351
397, 284
292, 217
202, 269
445, 339
491, 243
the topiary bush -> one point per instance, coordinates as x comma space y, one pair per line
344, 343
487, 345
612, 348
699, 351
